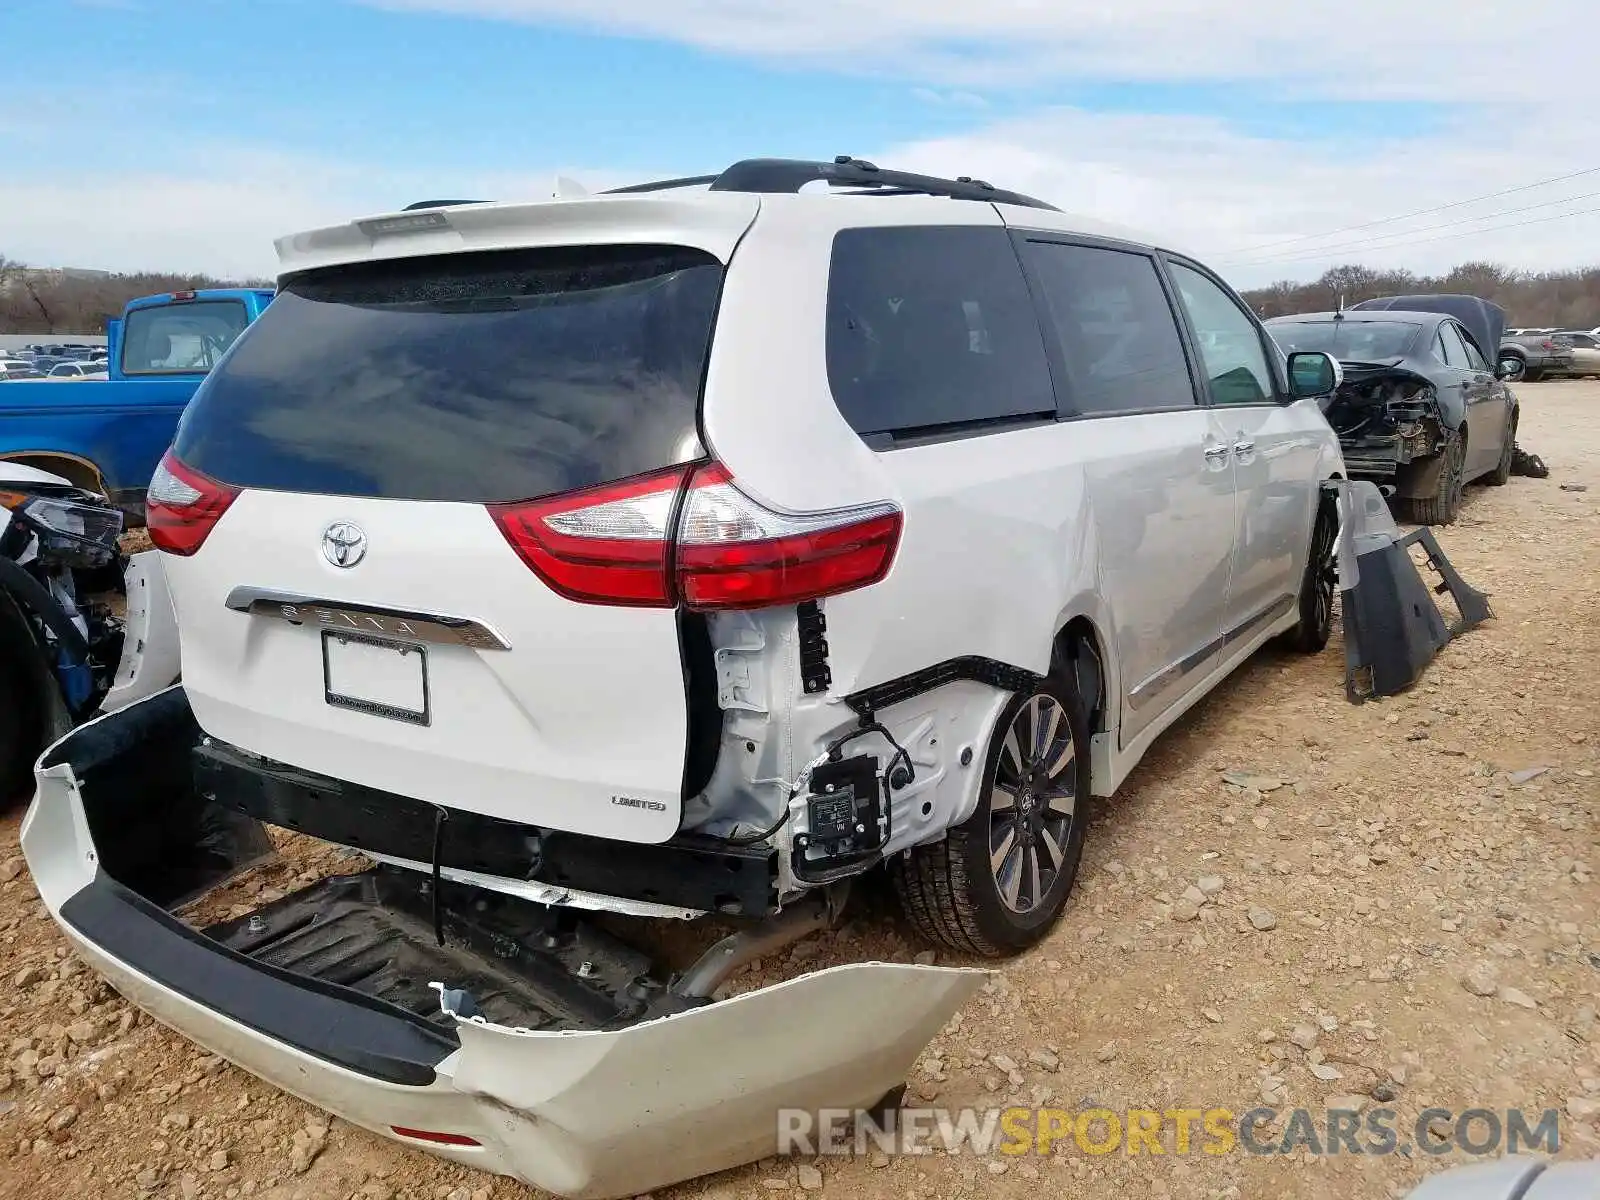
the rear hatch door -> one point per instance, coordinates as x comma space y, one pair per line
360, 609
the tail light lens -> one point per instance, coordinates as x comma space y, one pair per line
617, 545
735, 553
605, 545
182, 506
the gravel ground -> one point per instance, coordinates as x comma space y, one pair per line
1432, 916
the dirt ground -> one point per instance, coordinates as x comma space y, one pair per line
1403, 858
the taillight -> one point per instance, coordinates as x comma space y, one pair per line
604, 545
182, 506
611, 545
735, 553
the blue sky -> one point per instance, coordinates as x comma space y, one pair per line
196, 124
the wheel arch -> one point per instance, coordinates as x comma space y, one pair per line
74, 468
1079, 652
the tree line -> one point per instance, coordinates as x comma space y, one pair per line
1563, 299
44, 302
49, 302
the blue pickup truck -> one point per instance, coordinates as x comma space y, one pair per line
107, 435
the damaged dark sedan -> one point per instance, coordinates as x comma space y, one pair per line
1420, 408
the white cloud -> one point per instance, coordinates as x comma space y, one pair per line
1239, 201
1236, 200
1435, 49
1518, 88
950, 99
220, 214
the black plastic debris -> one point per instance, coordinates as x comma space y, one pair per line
1528, 465
1392, 626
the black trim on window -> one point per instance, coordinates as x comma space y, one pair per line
325, 1020
933, 435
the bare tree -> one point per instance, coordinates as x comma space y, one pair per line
54, 302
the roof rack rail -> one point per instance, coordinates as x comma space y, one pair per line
439, 204
790, 175
662, 185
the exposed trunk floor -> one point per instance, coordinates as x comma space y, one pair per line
526, 966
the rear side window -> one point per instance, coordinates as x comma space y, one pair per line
479, 378
932, 327
184, 338
1455, 352
1119, 339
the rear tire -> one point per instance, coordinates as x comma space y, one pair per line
1311, 634
999, 881
1444, 505
1501, 475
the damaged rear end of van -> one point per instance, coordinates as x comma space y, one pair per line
518, 1037
467, 595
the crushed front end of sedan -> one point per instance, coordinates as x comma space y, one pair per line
1419, 409
1387, 418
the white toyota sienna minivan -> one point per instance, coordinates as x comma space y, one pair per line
706, 543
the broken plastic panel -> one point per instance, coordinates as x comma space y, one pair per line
527, 1040
150, 635
1392, 626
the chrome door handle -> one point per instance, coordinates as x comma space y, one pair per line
1216, 453
1243, 447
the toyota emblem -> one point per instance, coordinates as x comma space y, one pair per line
343, 544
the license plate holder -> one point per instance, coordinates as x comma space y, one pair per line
376, 676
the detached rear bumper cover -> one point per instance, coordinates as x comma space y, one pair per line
1392, 626
580, 1114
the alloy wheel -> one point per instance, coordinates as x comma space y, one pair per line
1032, 803
1326, 568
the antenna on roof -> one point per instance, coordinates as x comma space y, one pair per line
568, 189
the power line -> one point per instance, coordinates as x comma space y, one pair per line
1385, 241
1421, 212
1582, 212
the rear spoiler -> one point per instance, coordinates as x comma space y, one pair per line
710, 222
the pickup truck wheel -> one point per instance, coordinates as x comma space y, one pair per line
1501, 475
998, 882
1444, 505
1311, 634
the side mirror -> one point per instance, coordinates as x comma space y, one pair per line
1313, 373
1508, 368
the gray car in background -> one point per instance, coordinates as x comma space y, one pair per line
1537, 354
1585, 351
